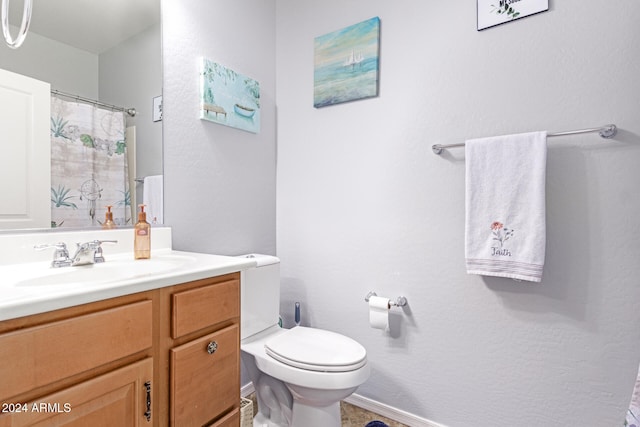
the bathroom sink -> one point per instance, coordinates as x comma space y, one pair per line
113, 270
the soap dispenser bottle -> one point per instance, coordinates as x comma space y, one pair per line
142, 237
108, 223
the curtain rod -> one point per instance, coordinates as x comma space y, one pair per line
607, 131
130, 111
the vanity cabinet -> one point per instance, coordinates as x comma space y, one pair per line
165, 357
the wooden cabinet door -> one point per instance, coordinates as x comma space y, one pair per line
118, 398
205, 383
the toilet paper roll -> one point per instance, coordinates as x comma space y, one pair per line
379, 312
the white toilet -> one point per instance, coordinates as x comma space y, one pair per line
299, 374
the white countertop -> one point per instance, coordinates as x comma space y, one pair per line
29, 288
37, 295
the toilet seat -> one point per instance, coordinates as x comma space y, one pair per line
253, 349
316, 350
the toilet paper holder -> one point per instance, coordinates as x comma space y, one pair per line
399, 302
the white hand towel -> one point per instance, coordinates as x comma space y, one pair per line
152, 196
505, 229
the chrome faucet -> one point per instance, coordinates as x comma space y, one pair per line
89, 252
86, 253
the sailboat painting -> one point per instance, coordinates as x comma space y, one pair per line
346, 64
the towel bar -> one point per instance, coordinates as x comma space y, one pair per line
607, 131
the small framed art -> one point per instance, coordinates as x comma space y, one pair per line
157, 108
228, 97
496, 12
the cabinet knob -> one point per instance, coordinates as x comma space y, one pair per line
212, 347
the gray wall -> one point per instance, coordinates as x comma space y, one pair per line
66, 68
219, 181
363, 204
131, 76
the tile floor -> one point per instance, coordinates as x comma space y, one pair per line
352, 416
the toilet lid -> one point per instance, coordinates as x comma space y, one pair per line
316, 350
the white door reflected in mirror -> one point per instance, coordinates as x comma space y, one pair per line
25, 171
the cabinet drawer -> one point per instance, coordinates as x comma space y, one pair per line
202, 307
41, 355
205, 385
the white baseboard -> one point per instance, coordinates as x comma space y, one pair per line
387, 411
247, 389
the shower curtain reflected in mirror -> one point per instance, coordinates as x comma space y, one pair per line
88, 165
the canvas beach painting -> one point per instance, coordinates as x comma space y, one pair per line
346, 64
229, 98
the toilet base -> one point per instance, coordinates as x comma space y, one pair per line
261, 421
306, 416
316, 416
317, 408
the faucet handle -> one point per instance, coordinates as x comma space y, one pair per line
99, 242
97, 255
42, 246
93, 244
60, 255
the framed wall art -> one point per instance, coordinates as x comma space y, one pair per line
496, 12
157, 109
346, 64
228, 97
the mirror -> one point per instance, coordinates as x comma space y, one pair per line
107, 51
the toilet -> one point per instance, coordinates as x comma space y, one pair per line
300, 375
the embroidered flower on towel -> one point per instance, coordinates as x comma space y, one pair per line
500, 232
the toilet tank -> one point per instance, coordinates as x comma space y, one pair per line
259, 295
